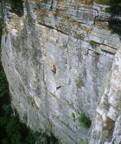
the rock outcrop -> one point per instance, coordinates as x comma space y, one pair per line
61, 60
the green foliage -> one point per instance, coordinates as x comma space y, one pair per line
13, 131
3, 84
1, 29
1, 25
39, 5
115, 7
16, 6
93, 43
115, 22
40, 138
73, 116
45, 1
84, 121
25, 118
105, 2
31, 137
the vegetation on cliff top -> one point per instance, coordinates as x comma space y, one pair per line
16, 6
104, 2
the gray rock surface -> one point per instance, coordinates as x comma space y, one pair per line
59, 64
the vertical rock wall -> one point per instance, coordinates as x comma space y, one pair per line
60, 63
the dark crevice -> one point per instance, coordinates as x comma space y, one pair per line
115, 19
46, 25
108, 52
17, 7
58, 87
115, 26
52, 28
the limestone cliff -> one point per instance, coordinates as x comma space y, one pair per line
62, 59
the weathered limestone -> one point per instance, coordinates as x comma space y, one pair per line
108, 127
58, 62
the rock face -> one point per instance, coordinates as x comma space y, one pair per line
62, 60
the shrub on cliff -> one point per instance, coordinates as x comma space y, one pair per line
84, 121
